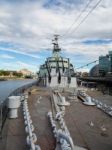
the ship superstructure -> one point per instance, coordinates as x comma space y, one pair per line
57, 70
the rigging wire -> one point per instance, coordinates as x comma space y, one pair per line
91, 62
91, 10
78, 17
87, 15
87, 64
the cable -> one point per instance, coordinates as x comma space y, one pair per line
93, 8
87, 16
78, 17
87, 64
91, 62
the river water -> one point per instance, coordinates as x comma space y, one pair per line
6, 87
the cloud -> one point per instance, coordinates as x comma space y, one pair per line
20, 52
6, 56
18, 65
30, 25
90, 51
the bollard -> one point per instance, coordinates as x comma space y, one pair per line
13, 105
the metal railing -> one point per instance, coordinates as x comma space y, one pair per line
3, 115
3, 104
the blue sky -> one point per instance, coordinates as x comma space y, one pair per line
27, 28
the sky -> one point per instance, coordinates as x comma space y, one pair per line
27, 28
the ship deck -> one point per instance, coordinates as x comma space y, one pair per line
85, 123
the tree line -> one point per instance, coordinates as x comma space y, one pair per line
10, 73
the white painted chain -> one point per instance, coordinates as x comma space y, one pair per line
29, 128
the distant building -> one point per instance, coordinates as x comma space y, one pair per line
104, 68
84, 74
110, 59
25, 72
105, 64
94, 72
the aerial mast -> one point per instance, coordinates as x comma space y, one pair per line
56, 48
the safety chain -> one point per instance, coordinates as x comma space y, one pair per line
61, 134
107, 109
62, 137
29, 128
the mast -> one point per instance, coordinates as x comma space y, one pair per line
56, 48
56, 54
